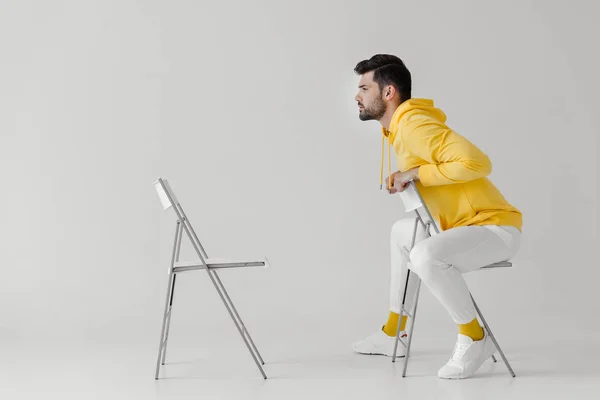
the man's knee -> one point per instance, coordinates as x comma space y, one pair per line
403, 227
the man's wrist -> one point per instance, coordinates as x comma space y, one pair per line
415, 173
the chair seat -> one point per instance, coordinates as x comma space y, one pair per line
218, 263
502, 264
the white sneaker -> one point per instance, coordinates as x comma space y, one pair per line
467, 357
380, 343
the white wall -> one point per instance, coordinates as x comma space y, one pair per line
247, 108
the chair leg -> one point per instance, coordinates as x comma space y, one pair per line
169, 300
489, 331
414, 236
169, 313
162, 332
212, 274
244, 329
412, 326
400, 316
398, 333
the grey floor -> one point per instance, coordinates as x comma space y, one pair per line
305, 364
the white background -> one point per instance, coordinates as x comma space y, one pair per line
247, 108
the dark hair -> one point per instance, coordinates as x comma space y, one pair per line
389, 70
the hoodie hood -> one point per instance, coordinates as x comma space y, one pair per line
412, 106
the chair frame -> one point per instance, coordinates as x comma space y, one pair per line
168, 200
413, 201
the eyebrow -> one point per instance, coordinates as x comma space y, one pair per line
362, 86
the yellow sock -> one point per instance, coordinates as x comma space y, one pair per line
392, 324
472, 330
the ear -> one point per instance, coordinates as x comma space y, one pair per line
389, 92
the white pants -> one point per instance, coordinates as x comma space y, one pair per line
441, 259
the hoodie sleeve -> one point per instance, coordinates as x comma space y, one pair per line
451, 157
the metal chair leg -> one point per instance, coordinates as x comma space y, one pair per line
212, 275
244, 329
176, 250
412, 327
489, 331
414, 236
169, 313
162, 333
168, 301
400, 316
398, 334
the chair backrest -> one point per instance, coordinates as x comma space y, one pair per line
161, 191
412, 200
165, 193
168, 199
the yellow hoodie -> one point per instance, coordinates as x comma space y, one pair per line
453, 172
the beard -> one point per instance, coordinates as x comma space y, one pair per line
374, 112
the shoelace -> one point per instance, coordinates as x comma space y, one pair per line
459, 351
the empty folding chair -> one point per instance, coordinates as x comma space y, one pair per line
412, 200
210, 265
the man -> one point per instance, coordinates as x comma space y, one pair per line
478, 226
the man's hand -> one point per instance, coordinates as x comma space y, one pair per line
401, 180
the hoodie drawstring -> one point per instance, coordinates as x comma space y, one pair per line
389, 163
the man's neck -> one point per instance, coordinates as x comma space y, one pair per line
387, 117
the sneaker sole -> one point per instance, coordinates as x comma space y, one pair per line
378, 354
